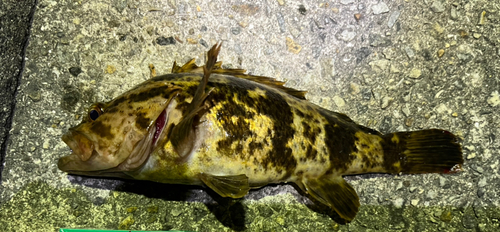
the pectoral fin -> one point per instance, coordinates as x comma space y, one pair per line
335, 193
227, 186
184, 133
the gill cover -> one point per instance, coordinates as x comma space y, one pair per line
119, 135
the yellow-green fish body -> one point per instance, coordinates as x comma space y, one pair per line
232, 132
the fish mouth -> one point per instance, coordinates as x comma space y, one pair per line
86, 160
82, 149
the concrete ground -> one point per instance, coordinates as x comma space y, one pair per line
390, 65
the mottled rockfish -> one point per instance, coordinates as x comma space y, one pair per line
231, 132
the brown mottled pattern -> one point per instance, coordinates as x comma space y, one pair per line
369, 154
238, 129
101, 129
339, 141
311, 132
143, 121
353, 148
236, 102
235, 108
151, 93
129, 107
287, 141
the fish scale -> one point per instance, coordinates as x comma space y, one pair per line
231, 132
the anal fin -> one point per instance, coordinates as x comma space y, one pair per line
334, 192
227, 186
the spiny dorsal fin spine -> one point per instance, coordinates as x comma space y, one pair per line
191, 67
188, 67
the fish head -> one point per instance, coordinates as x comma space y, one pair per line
118, 136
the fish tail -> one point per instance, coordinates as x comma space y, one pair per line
425, 151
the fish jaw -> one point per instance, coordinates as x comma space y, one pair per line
91, 155
82, 150
82, 146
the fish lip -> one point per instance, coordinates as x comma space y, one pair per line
79, 143
62, 163
82, 149
68, 140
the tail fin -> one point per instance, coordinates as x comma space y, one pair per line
425, 151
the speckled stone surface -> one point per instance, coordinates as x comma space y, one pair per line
390, 65
15, 26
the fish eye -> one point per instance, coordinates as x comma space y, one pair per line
94, 113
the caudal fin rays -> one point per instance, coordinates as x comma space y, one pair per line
425, 151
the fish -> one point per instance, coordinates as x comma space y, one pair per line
233, 132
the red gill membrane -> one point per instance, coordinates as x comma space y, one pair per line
160, 124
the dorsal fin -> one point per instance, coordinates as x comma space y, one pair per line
191, 67
271, 82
